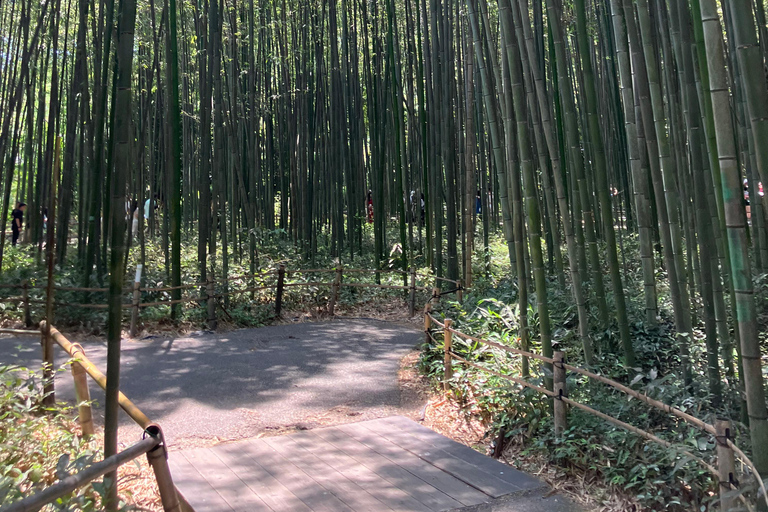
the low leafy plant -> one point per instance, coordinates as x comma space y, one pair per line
39, 445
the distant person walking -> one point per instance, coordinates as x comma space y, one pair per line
369, 206
17, 222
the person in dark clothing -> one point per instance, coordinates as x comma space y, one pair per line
17, 222
478, 204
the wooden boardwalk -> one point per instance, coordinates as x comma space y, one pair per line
378, 465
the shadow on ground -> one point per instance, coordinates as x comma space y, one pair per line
241, 383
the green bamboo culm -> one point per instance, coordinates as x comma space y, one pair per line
123, 134
741, 271
600, 169
174, 143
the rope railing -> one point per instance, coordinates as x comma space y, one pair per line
721, 431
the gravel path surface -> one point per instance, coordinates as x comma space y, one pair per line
245, 382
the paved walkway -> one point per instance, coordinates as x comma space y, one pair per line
240, 383
244, 383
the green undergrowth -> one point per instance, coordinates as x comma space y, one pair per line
234, 305
657, 478
39, 445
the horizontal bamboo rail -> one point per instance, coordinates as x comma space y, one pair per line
77, 354
624, 389
170, 288
375, 271
92, 472
166, 302
446, 326
307, 284
20, 332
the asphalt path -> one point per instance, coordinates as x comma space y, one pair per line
238, 384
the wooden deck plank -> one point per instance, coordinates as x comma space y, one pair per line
389, 471
384, 465
474, 465
336, 456
450, 485
313, 494
226, 482
465, 453
348, 491
278, 497
194, 486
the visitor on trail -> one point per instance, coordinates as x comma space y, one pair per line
369, 206
17, 221
478, 204
422, 208
746, 199
132, 210
414, 206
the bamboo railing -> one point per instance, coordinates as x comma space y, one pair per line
277, 280
721, 431
152, 444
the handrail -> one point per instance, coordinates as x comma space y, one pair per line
76, 353
644, 398
157, 457
19, 332
72, 482
710, 429
259, 276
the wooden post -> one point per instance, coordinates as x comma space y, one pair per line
210, 290
83, 395
561, 419
413, 292
158, 459
335, 293
427, 321
25, 299
136, 301
725, 463
460, 290
435, 295
280, 286
447, 344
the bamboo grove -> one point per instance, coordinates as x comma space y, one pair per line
566, 126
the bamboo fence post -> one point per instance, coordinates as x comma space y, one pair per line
427, 321
726, 466
413, 291
335, 293
561, 419
25, 301
447, 344
210, 291
460, 290
136, 301
158, 459
280, 286
435, 295
83, 394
